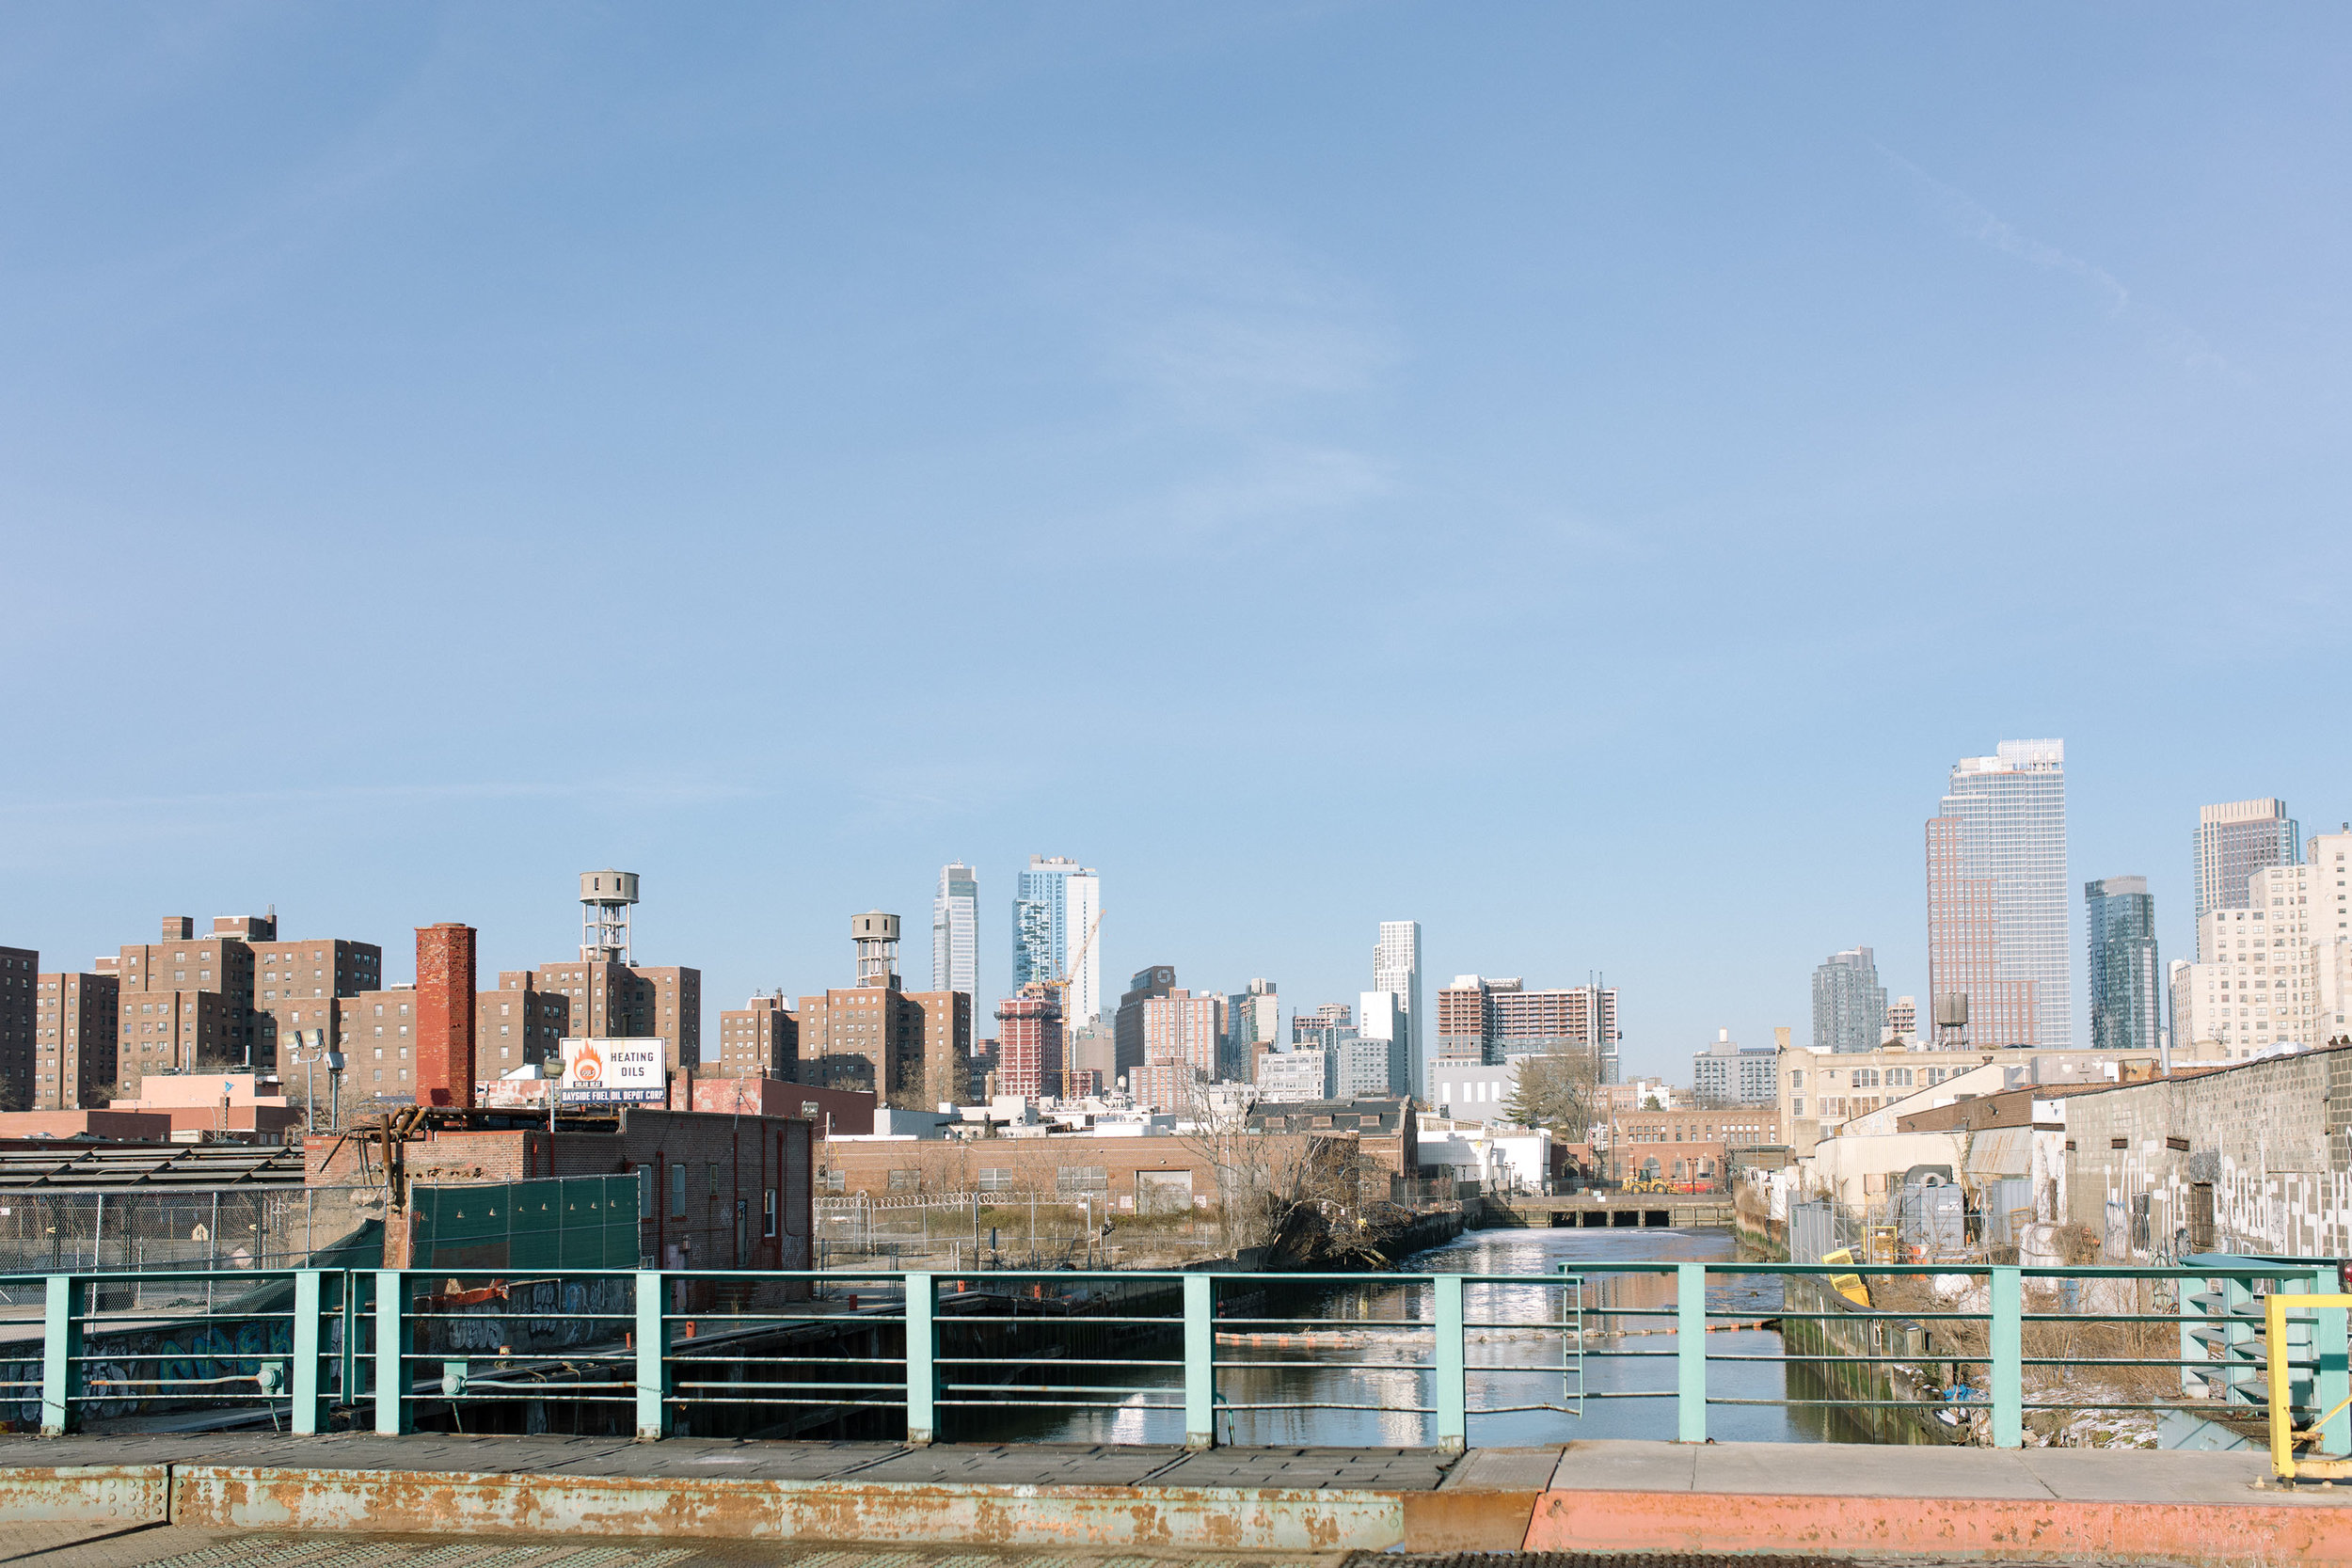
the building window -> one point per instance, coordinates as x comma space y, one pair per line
768, 1213
677, 1190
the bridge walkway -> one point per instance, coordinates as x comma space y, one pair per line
1000, 1506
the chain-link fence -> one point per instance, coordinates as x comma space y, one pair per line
230, 1228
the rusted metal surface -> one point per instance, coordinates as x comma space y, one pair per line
99, 1494
1226, 1518
2251, 1534
1467, 1521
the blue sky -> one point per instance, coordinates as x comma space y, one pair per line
1576, 476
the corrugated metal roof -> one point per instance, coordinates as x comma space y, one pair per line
87, 1166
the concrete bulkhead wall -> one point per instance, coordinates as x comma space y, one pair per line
1851, 1332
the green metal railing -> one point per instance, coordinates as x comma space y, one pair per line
656, 1352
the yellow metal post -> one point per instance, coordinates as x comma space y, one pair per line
2280, 1379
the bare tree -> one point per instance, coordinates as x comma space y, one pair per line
1554, 1092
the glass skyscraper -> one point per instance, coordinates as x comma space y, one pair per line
2233, 841
1997, 904
2126, 983
1055, 909
956, 930
1848, 1004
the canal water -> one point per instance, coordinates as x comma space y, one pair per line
1520, 1351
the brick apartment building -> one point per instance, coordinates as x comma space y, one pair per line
297, 983
609, 998
18, 968
759, 1039
378, 1033
519, 1025
1029, 1044
187, 1000
913, 1049
228, 998
74, 1037
1184, 1047
1127, 1023
1488, 1020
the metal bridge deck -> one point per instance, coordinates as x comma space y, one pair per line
435, 1501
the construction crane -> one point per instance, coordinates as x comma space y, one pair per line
1061, 985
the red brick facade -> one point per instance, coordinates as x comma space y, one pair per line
445, 1014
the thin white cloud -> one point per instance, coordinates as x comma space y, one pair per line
1971, 219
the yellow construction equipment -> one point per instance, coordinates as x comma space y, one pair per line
1847, 1285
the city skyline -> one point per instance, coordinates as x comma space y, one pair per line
1653, 1052
1854, 340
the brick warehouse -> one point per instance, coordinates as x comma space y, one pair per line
715, 1192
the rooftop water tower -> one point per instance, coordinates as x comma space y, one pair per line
877, 937
1951, 1020
604, 900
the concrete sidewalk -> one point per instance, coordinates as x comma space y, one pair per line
1623, 1498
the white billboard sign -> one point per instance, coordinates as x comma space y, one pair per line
614, 1072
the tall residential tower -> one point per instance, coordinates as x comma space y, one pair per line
1997, 902
2127, 983
1848, 1004
1056, 909
956, 931
1396, 969
2233, 841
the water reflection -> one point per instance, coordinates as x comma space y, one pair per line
1365, 1348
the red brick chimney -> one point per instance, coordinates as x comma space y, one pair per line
445, 1014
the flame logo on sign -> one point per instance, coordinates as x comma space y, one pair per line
587, 1066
